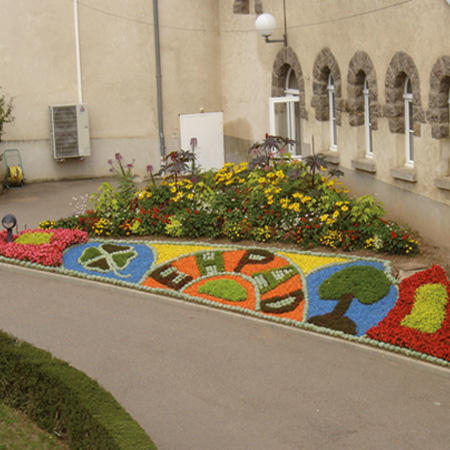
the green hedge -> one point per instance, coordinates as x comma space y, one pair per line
64, 401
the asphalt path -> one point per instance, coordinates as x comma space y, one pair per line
200, 378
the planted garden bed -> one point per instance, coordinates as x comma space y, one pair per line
269, 200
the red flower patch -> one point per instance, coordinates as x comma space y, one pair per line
48, 254
391, 330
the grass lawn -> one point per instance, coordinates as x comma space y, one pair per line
17, 431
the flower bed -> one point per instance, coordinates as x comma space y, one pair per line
276, 200
420, 319
351, 297
40, 246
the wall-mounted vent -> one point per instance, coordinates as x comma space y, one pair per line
69, 130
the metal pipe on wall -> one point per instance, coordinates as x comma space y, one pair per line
162, 144
77, 51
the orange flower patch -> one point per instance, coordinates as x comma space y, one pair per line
290, 286
187, 265
277, 263
237, 278
232, 259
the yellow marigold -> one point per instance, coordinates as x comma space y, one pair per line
305, 199
295, 207
345, 208
324, 217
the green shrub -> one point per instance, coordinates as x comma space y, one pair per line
278, 200
64, 401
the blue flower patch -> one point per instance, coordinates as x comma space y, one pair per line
364, 316
120, 261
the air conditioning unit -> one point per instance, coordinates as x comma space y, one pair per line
69, 130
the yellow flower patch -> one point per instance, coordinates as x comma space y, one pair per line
166, 252
308, 263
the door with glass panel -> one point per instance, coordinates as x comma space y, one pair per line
284, 120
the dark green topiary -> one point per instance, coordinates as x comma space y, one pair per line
64, 401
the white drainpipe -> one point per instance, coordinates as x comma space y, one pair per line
77, 51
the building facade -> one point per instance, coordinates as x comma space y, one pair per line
366, 81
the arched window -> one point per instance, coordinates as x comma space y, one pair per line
284, 113
367, 120
332, 113
409, 125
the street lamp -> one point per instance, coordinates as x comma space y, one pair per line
265, 25
9, 222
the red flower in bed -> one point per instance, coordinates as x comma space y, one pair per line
48, 252
408, 324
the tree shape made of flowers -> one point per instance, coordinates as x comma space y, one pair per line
365, 283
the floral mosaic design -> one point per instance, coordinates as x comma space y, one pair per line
360, 315
119, 261
341, 295
420, 320
40, 246
250, 279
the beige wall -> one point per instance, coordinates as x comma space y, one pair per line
212, 60
419, 28
37, 49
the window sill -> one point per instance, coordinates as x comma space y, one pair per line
365, 165
442, 183
332, 157
404, 174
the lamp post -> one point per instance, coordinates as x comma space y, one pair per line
266, 23
9, 222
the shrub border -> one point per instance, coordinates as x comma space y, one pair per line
283, 321
64, 401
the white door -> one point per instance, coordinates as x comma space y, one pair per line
284, 121
207, 129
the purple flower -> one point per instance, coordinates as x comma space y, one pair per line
110, 162
149, 168
129, 165
118, 156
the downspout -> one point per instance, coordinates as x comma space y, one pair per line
162, 144
77, 51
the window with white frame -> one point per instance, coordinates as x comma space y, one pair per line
332, 112
409, 125
284, 114
367, 120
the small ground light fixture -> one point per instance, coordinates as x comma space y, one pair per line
9, 222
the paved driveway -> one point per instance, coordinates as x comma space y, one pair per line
198, 378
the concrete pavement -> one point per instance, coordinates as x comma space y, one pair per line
198, 378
